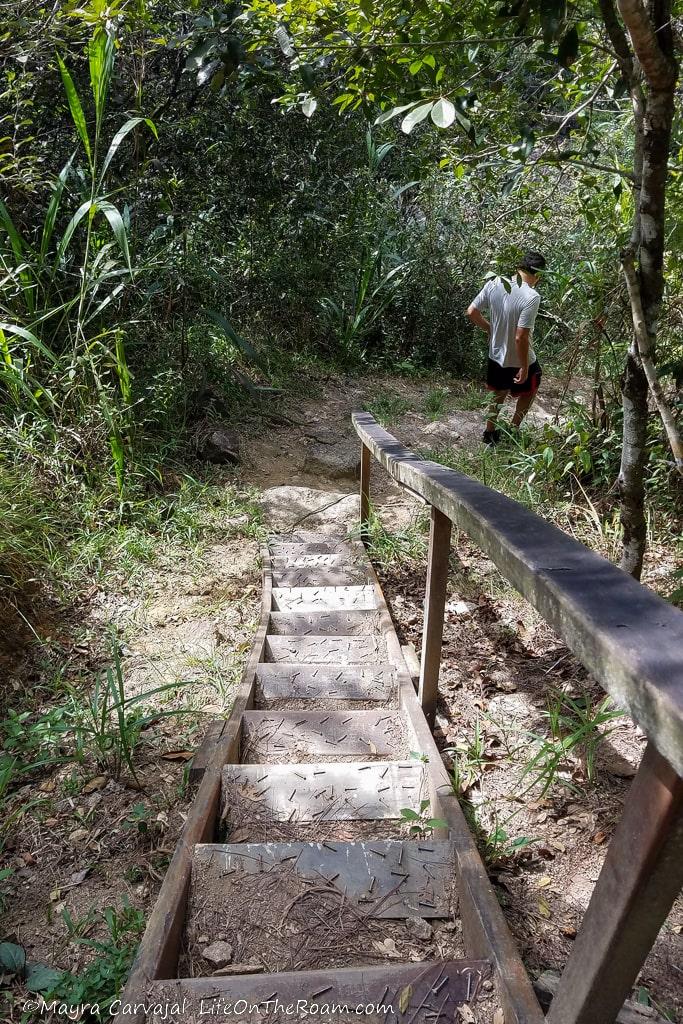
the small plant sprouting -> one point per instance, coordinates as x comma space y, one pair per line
500, 847
421, 824
109, 724
436, 402
575, 727
102, 979
469, 761
138, 818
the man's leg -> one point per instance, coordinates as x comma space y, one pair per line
497, 399
524, 403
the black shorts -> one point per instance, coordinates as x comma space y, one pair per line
502, 378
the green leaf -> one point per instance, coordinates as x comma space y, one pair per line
22, 332
15, 238
101, 63
409, 815
12, 957
117, 226
220, 321
40, 978
53, 208
71, 227
443, 113
465, 124
77, 115
197, 54
394, 112
415, 116
120, 136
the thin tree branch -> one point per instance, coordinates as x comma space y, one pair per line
587, 102
568, 157
660, 71
615, 31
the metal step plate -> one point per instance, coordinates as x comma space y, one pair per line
419, 993
311, 599
366, 791
385, 877
344, 576
326, 682
326, 650
304, 559
324, 623
274, 735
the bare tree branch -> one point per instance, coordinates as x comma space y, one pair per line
660, 71
615, 31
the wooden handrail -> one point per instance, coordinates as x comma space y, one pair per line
624, 634
632, 642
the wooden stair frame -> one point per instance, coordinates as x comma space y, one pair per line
485, 932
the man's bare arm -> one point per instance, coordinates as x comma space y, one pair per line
476, 318
522, 340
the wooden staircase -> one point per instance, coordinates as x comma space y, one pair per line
294, 890
307, 887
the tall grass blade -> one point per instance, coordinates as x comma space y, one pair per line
53, 208
71, 227
220, 321
118, 228
101, 64
27, 335
120, 136
77, 115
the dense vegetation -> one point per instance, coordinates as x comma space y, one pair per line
197, 201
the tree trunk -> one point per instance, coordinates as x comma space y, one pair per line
649, 29
631, 482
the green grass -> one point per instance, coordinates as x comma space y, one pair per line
103, 978
71, 535
575, 728
471, 398
437, 402
388, 407
397, 547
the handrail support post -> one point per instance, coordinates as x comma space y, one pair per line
365, 456
435, 603
640, 879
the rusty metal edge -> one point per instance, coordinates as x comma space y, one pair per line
157, 955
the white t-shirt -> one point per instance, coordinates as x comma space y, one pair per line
507, 312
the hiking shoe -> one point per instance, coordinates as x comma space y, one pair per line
491, 436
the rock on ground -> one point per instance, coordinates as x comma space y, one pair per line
336, 461
418, 928
218, 953
288, 507
215, 443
